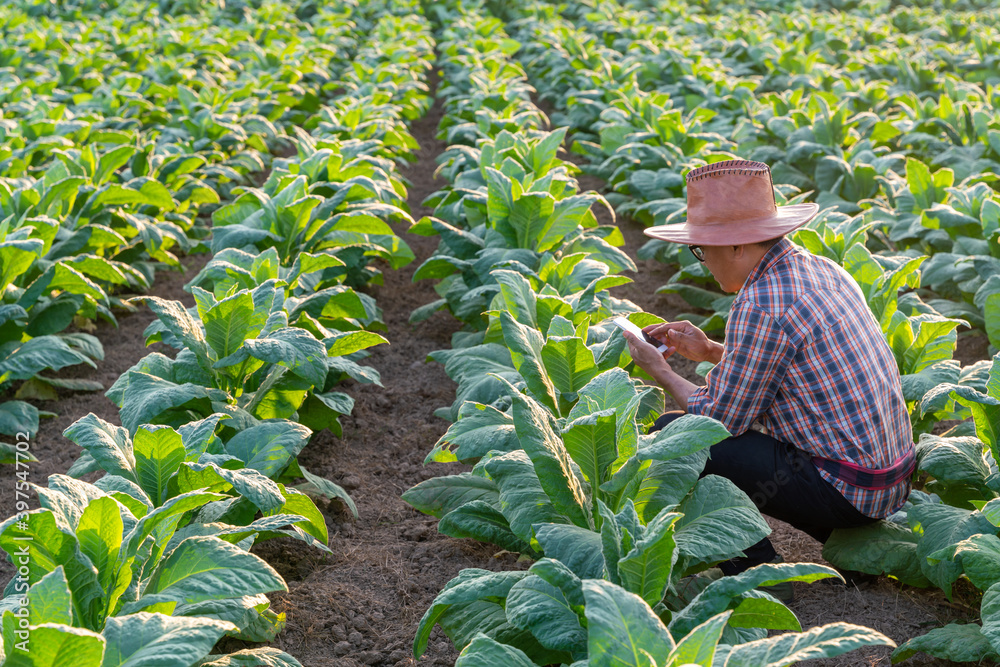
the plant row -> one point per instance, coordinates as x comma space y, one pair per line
152, 561
618, 522
117, 135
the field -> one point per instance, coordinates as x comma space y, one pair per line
305, 340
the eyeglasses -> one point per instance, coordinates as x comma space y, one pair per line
698, 253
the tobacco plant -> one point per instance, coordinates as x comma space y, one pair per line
113, 580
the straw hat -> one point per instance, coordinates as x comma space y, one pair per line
732, 203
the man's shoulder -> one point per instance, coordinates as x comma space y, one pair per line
795, 274
803, 289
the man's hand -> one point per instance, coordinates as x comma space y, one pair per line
647, 357
686, 339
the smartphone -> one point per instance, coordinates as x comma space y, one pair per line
639, 333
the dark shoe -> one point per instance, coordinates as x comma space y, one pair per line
852, 579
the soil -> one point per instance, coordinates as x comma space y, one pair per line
361, 604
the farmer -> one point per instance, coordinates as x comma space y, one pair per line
803, 356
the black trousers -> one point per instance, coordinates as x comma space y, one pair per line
783, 483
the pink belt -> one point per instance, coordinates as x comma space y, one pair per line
870, 478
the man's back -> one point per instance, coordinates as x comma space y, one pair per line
805, 356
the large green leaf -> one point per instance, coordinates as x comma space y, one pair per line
985, 409
980, 560
158, 454
48, 545
479, 429
298, 503
698, 646
613, 390
991, 510
560, 576
991, 616
18, 417
247, 482
100, 532
462, 622
147, 397
518, 296
883, 547
934, 341
50, 600
718, 595
108, 444
826, 641
579, 549
294, 348
664, 483
229, 322
481, 521
137, 192
761, 612
954, 460
645, 570
469, 586
622, 629
22, 361
439, 495
161, 522
954, 642
475, 370
349, 342
719, 521
16, 257
55, 645
569, 363
537, 431
942, 526
179, 322
590, 441
263, 656
681, 437
485, 652
523, 500
269, 447
111, 160
541, 608
567, 216
529, 214
525, 345
251, 614
143, 639
206, 568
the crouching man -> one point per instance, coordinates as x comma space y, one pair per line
803, 356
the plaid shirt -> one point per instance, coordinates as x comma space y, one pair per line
805, 356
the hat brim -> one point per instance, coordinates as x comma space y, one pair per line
785, 220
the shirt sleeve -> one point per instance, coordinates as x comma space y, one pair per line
743, 385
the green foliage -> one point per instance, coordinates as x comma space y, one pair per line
947, 530
237, 355
110, 153
601, 623
110, 575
